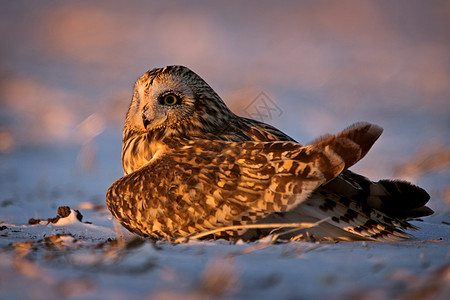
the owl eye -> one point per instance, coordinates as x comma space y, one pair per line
170, 100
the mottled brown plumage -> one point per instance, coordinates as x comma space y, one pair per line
192, 165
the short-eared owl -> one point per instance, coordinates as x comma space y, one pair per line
192, 165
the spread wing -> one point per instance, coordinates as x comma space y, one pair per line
198, 185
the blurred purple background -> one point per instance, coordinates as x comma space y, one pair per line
67, 70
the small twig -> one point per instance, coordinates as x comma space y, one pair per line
297, 226
251, 249
276, 236
432, 241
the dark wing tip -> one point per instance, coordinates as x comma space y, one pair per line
405, 200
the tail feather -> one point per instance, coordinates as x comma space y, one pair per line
395, 198
359, 209
350, 220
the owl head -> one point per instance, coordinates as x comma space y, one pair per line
175, 100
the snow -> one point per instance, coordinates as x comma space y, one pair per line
66, 85
75, 259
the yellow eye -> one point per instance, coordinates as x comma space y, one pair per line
170, 100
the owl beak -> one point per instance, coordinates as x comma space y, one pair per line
152, 122
145, 121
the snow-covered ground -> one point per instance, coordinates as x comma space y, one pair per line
67, 70
83, 260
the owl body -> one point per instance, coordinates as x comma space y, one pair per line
192, 165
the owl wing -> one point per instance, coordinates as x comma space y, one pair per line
260, 131
198, 185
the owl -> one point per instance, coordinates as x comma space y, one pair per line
191, 165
